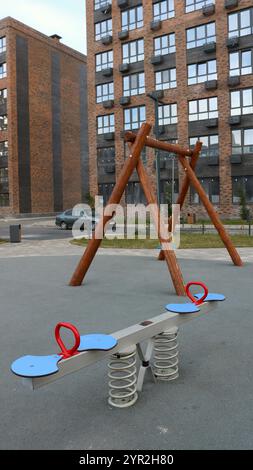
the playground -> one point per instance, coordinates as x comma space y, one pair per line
209, 406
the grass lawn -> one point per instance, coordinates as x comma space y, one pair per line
187, 241
224, 221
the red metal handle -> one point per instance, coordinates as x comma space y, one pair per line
193, 299
67, 352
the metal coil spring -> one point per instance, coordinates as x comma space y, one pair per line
165, 363
123, 379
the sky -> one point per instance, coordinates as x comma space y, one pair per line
64, 17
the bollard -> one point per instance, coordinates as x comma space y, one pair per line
15, 233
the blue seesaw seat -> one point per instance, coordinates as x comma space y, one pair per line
211, 297
42, 366
182, 308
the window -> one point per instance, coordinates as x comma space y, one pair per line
210, 146
206, 108
166, 79
167, 114
2, 44
134, 84
105, 92
105, 124
169, 190
3, 149
106, 159
165, 44
135, 194
164, 10
104, 61
133, 51
134, 117
212, 190
4, 200
103, 28
3, 70
192, 5
240, 23
242, 141
132, 18
3, 123
3, 96
241, 102
105, 190
167, 156
242, 184
4, 176
201, 35
240, 63
101, 3
199, 73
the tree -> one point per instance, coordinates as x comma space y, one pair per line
244, 210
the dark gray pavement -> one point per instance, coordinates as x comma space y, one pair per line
209, 407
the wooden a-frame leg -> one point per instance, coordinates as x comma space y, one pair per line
170, 256
211, 212
184, 188
115, 198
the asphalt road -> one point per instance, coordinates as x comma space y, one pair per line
35, 229
208, 407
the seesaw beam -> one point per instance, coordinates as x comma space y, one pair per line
127, 337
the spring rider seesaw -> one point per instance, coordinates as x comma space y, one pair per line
122, 347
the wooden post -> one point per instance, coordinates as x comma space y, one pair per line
169, 255
185, 187
115, 198
211, 212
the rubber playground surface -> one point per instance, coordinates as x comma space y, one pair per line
208, 407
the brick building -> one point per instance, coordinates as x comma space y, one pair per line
43, 122
196, 57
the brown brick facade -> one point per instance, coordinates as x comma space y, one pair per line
45, 154
180, 95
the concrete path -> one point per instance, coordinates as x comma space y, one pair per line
64, 247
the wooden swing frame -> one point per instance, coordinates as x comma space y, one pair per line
136, 144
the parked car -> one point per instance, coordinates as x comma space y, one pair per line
67, 219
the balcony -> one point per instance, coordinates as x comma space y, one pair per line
212, 123
106, 40
234, 81
234, 120
156, 59
213, 161
155, 25
123, 34
123, 4
109, 136
107, 72
106, 8
125, 100
210, 47
124, 68
208, 10
229, 4
211, 84
4, 161
108, 104
236, 159
233, 43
